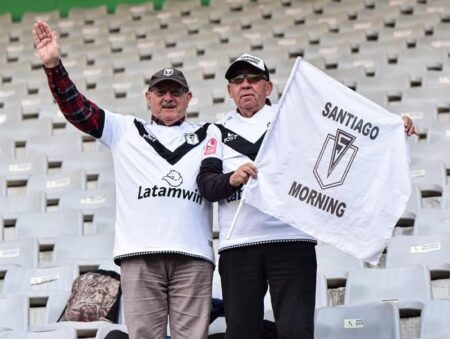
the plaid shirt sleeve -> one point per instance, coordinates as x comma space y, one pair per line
79, 111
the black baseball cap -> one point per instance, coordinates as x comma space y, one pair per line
168, 74
248, 60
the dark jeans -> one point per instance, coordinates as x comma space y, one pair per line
289, 269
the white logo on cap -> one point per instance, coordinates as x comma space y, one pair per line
255, 61
168, 72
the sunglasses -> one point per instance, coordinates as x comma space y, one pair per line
251, 78
175, 91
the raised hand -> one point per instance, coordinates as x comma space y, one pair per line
410, 128
47, 45
242, 174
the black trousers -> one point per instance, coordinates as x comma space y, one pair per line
288, 269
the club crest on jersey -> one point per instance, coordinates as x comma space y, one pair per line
335, 159
173, 178
191, 138
211, 146
230, 137
168, 72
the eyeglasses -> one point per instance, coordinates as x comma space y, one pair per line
251, 78
175, 91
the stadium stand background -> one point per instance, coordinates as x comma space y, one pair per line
57, 186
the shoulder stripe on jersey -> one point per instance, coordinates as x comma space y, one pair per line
240, 144
171, 157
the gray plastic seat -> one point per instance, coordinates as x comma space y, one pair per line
434, 320
88, 251
56, 183
56, 147
430, 177
92, 163
104, 220
23, 131
424, 115
439, 132
423, 152
12, 207
446, 197
432, 221
409, 287
14, 312
431, 250
3, 186
39, 283
335, 264
394, 85
7, 147
21, 169
370, 321
23, 252
65, 332
47, 227
87, 200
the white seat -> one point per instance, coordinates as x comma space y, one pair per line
14, 312
408, 286
439, 132
91, 162
56, 183
47, 227
104, 220
88, 251
434, 319
56, 147
432, 221
370, 321
87, 201
424, 115
65, 332
430, 250
39, 283
12, 207
335, 264
20, 169
430, 177
3, 187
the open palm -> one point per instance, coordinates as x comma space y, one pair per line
47, 45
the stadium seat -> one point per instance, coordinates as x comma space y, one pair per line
88, 251
424, 152
369, 321
23, 131
430, 177
56, 147
91, 162
424, 115
87, 200
431, 250
23, 252
65, 332
39, 283
3, 187
409, 287
335, 264
56, 183
47, 227
104, 220
394, 85
434, 319
438, 132
20, 169
14, 312
446, 197
432, 221
12, 207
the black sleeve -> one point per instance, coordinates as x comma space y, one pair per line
212, 183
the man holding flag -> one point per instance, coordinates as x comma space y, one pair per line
265, 250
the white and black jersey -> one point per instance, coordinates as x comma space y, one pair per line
232, 142
159, 208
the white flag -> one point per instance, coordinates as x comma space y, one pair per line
333, 164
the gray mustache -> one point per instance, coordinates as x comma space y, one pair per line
168, 105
